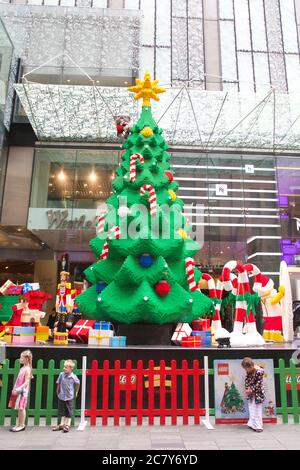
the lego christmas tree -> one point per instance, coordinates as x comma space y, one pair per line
233, 400
144, 270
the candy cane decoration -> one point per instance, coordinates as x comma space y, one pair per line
152, 197
189, 269
220, 332
117, 233
133, 158
211, 285
101, 222
237, 337
262, 284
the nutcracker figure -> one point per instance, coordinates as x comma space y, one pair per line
63, 297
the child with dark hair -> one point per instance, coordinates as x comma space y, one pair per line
255, 392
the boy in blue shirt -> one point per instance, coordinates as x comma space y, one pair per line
65, 392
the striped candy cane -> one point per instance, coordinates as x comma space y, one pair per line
189, 269
243, 287
262, 284
101, 223
152, 197
219, 293
117, 233
133, 159
211, 285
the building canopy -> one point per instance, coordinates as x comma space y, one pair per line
190, 117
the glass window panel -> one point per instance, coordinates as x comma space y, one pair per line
179, 49
261, 69
245, 71
277, 69
179, 8
273, 26
293, 72
289, 27
195, 9
130, 4
226, 9
228, 56
163, 66
147, 36
163, 23
258, 29
196, 55
147, 60
242, 25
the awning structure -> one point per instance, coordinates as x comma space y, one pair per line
189, 116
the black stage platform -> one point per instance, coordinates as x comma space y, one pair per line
76, 351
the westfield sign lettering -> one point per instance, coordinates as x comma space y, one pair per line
60, 220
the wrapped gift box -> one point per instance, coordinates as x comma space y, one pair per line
23, 334
60, 338
205, 337
6, 333
14, 290
118, 341
5, 286
203, 324
191, 342
41, 333
100, 337
103, 325
183, 330
80, 332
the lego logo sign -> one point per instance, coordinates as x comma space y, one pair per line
288, 382
131, 380
223, 369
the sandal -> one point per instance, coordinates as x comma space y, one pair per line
18, 429
58, 428
66, 428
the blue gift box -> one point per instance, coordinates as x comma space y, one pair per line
117, 341
24, 330
27, 287
205, 337
103, 325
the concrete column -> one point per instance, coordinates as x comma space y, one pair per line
212, 45
117, 4
17, 186
297, 7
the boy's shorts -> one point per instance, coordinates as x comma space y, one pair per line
65, 408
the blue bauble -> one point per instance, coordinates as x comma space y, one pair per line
100, 286
146, 260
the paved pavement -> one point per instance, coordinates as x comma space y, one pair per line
223, 437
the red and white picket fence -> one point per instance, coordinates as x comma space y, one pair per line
157, 393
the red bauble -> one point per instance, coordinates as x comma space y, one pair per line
162, 288
169, 175
119, 128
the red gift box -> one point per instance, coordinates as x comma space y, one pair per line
203, 324
80, 332
14, 290
191, 342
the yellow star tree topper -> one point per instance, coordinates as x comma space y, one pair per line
146, 89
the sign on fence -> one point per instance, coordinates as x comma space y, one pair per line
230, 397
288, 381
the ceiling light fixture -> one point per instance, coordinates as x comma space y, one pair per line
61, 175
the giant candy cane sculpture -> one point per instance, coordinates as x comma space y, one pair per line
237, 338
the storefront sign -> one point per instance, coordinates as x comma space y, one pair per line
230, 397
249, 169
61, 219
221, 190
